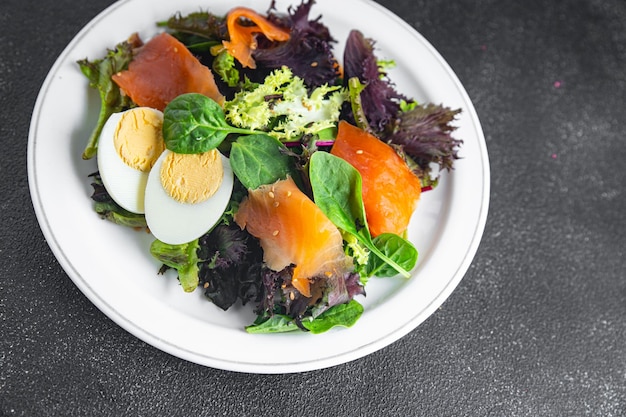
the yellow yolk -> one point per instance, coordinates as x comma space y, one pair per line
138, 138
192, 178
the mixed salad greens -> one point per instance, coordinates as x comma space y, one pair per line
284, 99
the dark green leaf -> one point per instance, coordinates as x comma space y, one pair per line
395, 247
198, 24
337, 191
193, 123
340, 315
260, 159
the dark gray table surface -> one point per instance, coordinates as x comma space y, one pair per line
537, 327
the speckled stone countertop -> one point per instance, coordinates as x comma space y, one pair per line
537, 327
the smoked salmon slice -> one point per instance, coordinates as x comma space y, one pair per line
390, 189
161, 70
292, 230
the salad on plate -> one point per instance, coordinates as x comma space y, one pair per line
269, 171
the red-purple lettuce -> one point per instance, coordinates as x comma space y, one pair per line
309, 50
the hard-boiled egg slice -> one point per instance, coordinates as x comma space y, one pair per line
128, 147
186, 195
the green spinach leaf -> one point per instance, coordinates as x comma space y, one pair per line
340, 315
194, 123
395, 247
260, 159
337, 192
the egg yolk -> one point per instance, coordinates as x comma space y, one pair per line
192, 178
138, 138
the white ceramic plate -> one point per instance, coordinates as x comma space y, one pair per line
112, 265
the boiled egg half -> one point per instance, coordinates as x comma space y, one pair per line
187, 194
182, 195
129, 145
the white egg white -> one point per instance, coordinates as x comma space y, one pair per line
176, 223
126, 185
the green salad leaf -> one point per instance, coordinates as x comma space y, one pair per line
395, 247
224, 66
355, 87
260, 159
340, 315
194, 123
278, 323
283, 106
183, 258
99, 73
109, 210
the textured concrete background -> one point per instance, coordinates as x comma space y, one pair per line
536, 328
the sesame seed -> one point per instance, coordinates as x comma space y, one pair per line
276, 204
292, 296
275, 233
206, 285
359, 152
288, 193
271, 194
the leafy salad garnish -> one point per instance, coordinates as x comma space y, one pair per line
99, 73
284, 101
285, 107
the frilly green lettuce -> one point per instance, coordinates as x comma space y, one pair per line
283, 107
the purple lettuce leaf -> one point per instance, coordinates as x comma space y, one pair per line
280, 297
380, 101
308, 52
227, 271
424, 133
338, 289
